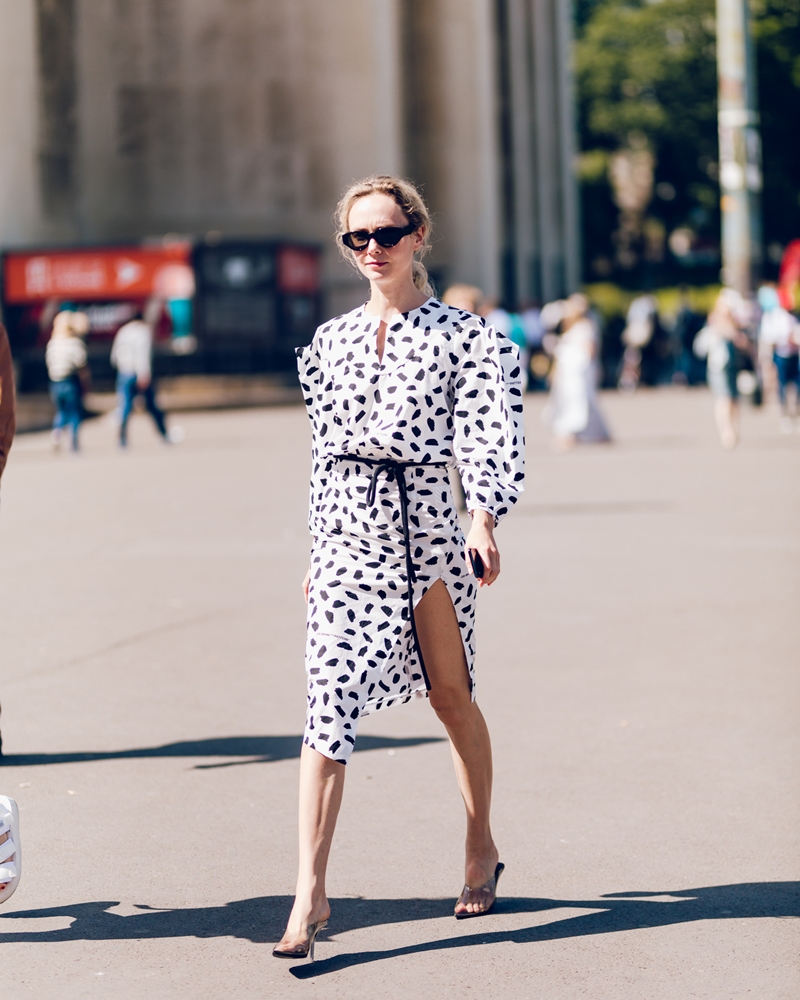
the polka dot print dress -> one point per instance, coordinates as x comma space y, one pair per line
447, 392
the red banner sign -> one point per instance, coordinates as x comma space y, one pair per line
84, 275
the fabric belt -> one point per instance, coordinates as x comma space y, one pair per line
397, 471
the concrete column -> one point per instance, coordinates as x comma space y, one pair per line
568, 145
546, 146
20, 215
522, 151
486, 164
739, 148
388, 86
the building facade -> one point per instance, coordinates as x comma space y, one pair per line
127, 119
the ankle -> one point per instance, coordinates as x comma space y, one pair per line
311, 905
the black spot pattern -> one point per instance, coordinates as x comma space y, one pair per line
448, 390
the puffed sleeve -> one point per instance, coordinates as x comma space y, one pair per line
488, 437
309, 367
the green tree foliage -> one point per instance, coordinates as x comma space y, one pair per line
646, 72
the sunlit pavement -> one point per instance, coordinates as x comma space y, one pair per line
637, 664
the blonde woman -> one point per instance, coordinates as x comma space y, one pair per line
717, 342
66, 359
397, 391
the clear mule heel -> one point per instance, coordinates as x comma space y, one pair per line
488, 889
306, 948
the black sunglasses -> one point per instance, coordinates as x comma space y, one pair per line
386, 236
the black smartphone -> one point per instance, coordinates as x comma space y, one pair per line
477, 563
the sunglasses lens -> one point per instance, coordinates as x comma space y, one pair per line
357, 240
389, 237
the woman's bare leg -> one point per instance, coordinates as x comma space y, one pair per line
726, 412
440, 638
321, 786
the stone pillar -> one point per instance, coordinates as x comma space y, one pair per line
540, 240
522, 150
739, 148
568, 141
20, 190
451, 143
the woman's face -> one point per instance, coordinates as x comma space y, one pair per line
384, 265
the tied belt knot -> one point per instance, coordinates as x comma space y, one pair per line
393, 469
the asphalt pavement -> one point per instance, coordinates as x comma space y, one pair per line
637, 664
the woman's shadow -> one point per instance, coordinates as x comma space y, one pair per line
261, 920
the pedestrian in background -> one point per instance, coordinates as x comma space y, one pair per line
640, 325
779, 334
10, 854
717, 342
468, 298
132, 356
510, 323
397, 391
66, 360
572, 409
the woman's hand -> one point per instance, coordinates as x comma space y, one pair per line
305, 583
481, 540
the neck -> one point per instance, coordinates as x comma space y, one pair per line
388, 302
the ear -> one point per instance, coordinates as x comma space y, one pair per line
419, 237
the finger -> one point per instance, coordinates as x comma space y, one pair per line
492, 562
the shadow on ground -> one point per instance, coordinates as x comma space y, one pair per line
261, 920
257, 750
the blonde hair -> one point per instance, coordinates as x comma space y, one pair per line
70, 324
408, 200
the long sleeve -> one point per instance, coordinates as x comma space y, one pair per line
310, 372
7, 402
489, 440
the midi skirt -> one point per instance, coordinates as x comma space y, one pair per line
360, 652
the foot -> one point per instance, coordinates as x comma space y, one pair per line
9, 849
13, 857
304, 914
480, 888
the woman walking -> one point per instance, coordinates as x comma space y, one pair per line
572, 410
717, 342
397, 391
66, 359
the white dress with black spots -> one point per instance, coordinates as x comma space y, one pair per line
448, 392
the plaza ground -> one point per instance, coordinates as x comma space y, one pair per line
637, 663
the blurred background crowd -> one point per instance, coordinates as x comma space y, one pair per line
614, 185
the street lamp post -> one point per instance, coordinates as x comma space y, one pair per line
739, 148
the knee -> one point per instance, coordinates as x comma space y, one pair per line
450, 704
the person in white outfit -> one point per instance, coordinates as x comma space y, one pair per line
132, 356
399, 391
572, 410
779, 333
717, 342
66, 360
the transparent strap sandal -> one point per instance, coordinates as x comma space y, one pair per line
10, 853
304, 949
485, 894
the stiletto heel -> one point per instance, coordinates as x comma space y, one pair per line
489, 887
306, 949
